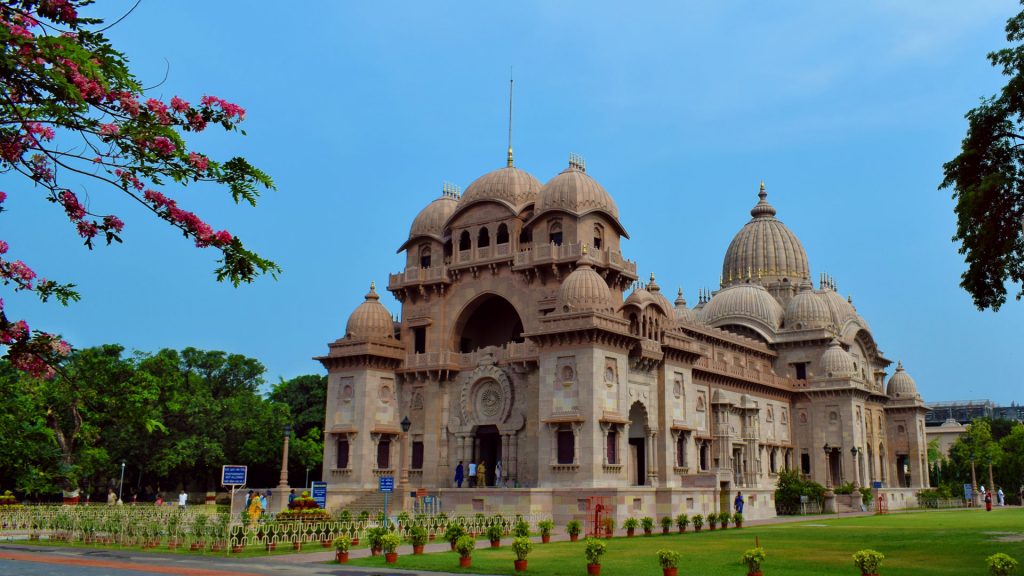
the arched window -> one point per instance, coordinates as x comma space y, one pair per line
525, 237
464, 240
555, 233
598, 236
612, 446
502, 235
448, 251
425, 256
484, 238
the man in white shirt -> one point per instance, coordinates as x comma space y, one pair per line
182, 499
472, 474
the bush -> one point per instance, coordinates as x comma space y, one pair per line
608, 523
868, 561
522, 546
1001, 564
737, 518
682, 520
418, 536
374, 537
630, 523
668, 558
753, 558
522, 528
930, 498
594, 550
647, 523
725, 518
389, 542
666, 523
453, 532
573, 527
494, 532
546, 526
844, 488
712, 519
464, 546
342, 543
865, 495
791, 487
698, 521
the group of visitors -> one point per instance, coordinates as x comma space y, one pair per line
477, 474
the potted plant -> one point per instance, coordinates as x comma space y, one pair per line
464, 546
724, 518
630, 525
373, 538
681, 521
1001, 564
737, 519
494, 535
868, 561
573, 529
522, 528
389, 542
341, 547
418, 539
594, 550
522, 547
712, 520
198, 530
647, 523
666, 524
609, 524
546, 526
698, 522
669, 560
753, 559
453, 532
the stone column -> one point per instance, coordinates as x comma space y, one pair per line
513, 463
652, 458
506, 443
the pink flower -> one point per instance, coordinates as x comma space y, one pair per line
87, 229
3, 247
60, 347
15, 331
222, 238
197, 122
21, 272
180, 105
71, 205
109, 129
164, 146
159, 109
3, 196
129, 104
198, 161
113, 223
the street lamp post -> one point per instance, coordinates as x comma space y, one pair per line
828, 466
403, 474
120, 485
283, 484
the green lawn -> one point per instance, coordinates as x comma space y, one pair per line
925, 543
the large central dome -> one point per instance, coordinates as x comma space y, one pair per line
510, 186
766, 249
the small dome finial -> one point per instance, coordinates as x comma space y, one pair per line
585, 249
762, 208
899, 365
762, 194
652, 276
373, 285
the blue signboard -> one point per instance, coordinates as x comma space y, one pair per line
319, 490
233, 475
968, 492
387, 483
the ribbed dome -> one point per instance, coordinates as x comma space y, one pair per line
430, 221
839, 308
764, 248
658, 297
584, 289
749, 301
807, 310
574, 191
682, 312
901, 385
640, 298
836, 362
370, 319
509, 185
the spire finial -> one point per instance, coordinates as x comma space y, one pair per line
762, 194
652, 276
762, 208
584, 249
511, 83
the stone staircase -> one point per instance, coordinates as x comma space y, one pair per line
371, 502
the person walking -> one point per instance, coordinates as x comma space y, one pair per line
459, 475
472, 474
497, 474
182, 499
738, 503
111, 497
481, 474
988, 501
1001, 497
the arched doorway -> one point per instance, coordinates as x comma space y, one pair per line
488, 450
636, 468
490, 320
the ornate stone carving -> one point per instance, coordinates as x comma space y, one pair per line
485, 397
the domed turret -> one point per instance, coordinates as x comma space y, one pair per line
682, 312
836, 362
901, 385
840, 310
509, 185
370, 319
584, 289
575, 192
807, 310
658, 297
429, 223
742, 303
764, 249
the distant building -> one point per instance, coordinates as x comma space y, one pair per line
965, 411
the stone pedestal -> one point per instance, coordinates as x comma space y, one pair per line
830, 503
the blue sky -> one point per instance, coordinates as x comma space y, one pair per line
360, 111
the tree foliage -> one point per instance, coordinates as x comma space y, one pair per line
987, 180
72, 114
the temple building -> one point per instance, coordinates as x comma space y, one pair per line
525, 339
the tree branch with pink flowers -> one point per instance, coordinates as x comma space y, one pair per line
72, 111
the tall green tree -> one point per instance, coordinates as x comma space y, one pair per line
306, 398
987, 180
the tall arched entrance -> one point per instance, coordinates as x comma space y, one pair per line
490, 320
636, 468
488, 451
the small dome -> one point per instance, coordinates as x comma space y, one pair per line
840, 309
584, 289
640, 298
575, 192
509, 185
764, 248
430, 221
901, 385
370, 319
658, 297
807, 310
836, 362
682, 312
743, 301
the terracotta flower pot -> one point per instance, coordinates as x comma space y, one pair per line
520, 565
452, 544
391, 557
629, 532
696, 528
296, 545
665, 530
574, 537
594, 569
194, 546
325, 543
271, 546
683, 529
236, 549
739, 524
341, 557
355, 541
417, 549
757, 573
545, 538
495, 543
673, 571
465, 561
647, 532
374, 551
